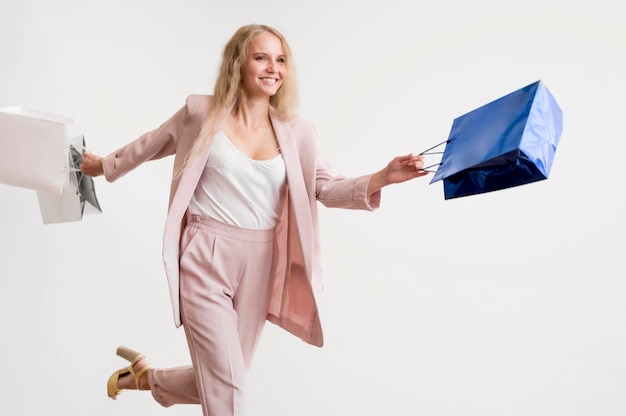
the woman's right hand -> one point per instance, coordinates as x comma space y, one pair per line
92, 164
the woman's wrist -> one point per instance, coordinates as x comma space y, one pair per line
377, 181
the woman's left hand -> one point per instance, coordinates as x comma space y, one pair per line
400, 169
404, 168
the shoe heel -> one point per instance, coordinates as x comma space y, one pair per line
129, 354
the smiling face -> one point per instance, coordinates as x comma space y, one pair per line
264, 68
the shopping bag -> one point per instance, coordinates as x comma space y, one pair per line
508, 142
78, 195
35, 153
33, 147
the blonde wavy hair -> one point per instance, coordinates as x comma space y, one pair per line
228, 87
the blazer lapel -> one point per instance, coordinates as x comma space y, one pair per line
291, 157
182, 197
298, 198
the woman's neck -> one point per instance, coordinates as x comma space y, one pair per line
251, 113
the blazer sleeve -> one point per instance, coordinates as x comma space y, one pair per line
153, 145
335, 190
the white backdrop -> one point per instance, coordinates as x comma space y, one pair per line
510, 303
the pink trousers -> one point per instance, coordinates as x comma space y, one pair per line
224, 297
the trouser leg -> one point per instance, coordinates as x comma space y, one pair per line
176, 385
224, 300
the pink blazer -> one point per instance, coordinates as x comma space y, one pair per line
296, 275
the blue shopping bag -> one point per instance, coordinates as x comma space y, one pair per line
508, 142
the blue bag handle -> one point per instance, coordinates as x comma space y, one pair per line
428, 152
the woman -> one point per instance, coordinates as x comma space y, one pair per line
241, 243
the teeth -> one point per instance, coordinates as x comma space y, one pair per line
270, 80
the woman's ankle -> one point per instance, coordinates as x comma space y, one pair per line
144, 383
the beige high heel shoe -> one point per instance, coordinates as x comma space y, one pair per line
133, 357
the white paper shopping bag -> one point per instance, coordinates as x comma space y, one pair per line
33, 149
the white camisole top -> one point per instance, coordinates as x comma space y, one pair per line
239, 190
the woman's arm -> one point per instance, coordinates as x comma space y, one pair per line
153, 145
363, 192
